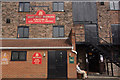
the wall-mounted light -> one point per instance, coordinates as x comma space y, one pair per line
24, 19
44, 55
69, 54
57, 18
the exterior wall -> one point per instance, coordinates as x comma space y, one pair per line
80, 32
0, 37
116, 70
106, 17
35, 30
25, 69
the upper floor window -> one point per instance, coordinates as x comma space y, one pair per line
101, 3
58, 6
114, 5
24, 6
23, 32
58, 31
18, 55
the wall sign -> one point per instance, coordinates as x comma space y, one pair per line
36, 58
71, 59
4, 59
40, 18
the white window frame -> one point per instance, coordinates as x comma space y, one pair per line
114, 5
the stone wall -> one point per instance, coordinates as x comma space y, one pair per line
106, 17
116, 70
10, 10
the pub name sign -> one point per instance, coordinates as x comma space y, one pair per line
40, 18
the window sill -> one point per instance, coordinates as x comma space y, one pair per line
58, 11
113, 10
18, 60
23, 12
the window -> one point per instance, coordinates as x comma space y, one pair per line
58, 6
114, 5
23, 32
101, 3
84, 12
24, 6
58, 31
18, 55
7, 20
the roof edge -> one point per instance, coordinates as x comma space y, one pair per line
36, 47
34, 38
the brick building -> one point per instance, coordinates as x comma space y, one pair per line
60, 34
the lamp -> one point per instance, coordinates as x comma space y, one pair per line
69, 54
44, 55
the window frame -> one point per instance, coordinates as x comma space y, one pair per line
24, 7
114, 7
23, 31
59, 26
18, 55
57, 7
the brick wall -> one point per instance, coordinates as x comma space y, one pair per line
116, 70
0, 37
35, 30
106, 17
25, 69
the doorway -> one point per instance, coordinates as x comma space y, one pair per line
93, 59
57, 64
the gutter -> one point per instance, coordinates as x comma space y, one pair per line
74, 50
35, 47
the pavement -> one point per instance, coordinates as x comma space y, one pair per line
89, 78
102, 78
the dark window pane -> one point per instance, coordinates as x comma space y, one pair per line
27, 7
22, 56
61, 31
55, 31
101, 3
14, 56
21, 5
20, 32
61, 6
26, 32
55, 7
7, 20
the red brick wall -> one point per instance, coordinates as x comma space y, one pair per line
25, 69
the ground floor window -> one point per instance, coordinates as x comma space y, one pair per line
18, 55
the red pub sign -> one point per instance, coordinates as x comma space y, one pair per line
36, 58
40, 18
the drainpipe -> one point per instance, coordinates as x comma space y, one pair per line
74, 50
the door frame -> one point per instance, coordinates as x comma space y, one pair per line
48, 65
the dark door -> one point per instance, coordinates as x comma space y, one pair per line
115, 33
91, 33
57, 64
93, 59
